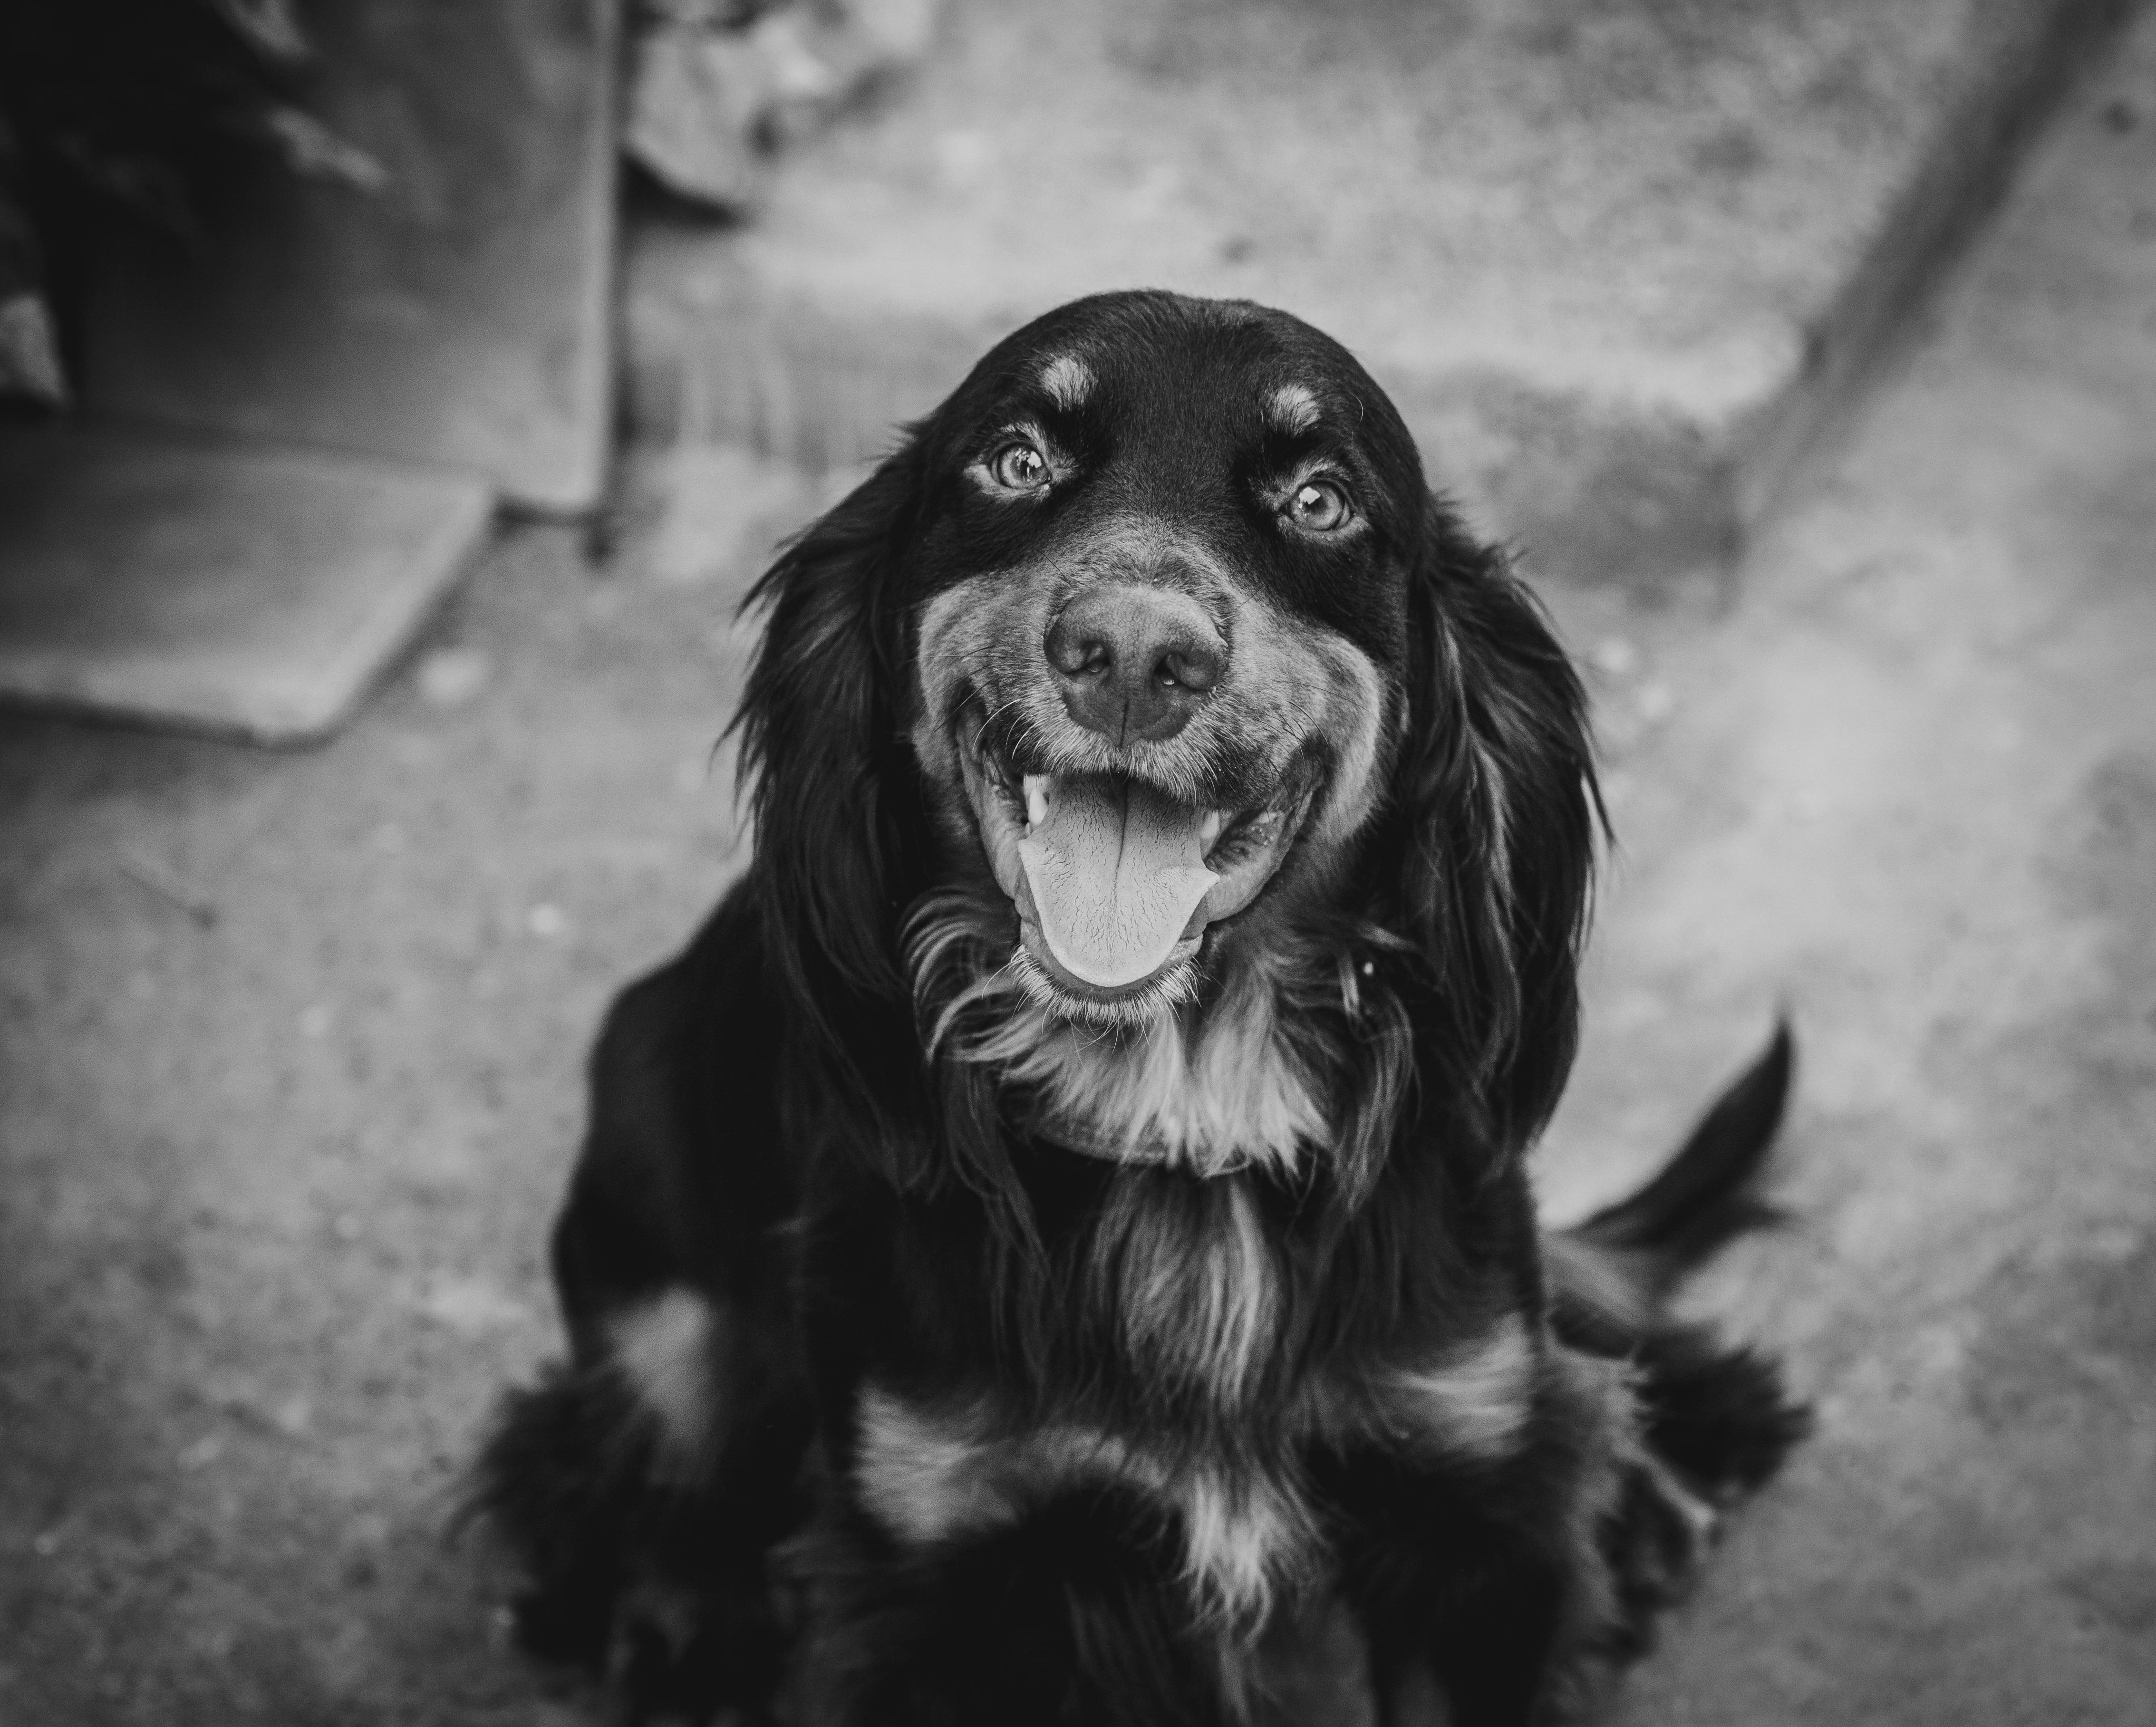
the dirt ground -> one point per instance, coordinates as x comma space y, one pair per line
289, 1054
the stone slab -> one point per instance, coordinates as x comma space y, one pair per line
252, 590
1619, 265
460, 313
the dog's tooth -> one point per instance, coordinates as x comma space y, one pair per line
1036, 799
1208, 829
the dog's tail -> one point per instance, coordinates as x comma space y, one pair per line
1707, 1193
1716, 1412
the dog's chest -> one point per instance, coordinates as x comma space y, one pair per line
1232, 1096
1185, 1277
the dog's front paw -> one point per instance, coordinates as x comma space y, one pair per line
1656, 1536
680, 1656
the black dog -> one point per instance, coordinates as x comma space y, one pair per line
1060, 1231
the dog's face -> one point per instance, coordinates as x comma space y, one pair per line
1160, 605
1149, 679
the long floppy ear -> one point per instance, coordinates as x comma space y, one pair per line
839, 838
1496, 792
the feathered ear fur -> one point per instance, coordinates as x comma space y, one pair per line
1497, 812
840, 838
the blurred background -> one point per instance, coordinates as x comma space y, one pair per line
396, 401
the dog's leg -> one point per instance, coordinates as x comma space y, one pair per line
1072, 1612
642, 1484
1485, 1585
642, 1556
1469, 1625
1715, 1420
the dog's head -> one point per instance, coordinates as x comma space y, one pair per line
1150, 657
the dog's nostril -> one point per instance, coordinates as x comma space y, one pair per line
1191, 665
1074, 651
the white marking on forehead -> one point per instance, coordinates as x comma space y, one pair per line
1068, 381
1293, 408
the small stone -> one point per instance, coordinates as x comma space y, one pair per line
450, 677
469, 1306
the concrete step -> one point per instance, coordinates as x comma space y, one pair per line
1622, 266
255, 591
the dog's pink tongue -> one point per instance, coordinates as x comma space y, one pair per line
1116, 870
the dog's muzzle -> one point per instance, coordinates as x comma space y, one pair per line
1114, 878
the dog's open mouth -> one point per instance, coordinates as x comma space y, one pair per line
1114, 879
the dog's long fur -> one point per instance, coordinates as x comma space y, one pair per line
945, 1349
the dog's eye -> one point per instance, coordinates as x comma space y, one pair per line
1018, 467
1319, 506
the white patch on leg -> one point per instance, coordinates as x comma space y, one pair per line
1475, 1402
664, 1351
929, 1475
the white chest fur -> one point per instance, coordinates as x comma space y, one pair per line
1228, 1094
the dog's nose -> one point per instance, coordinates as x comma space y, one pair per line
1134, 661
